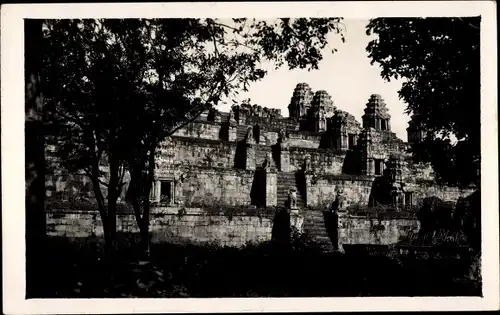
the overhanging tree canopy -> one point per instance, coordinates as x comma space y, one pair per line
438, 60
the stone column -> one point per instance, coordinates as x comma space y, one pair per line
172, 194
271, 198
364, 165
250, 157
308, 197
344, 141
368, 167
179, 196
343, 231
231, 133
338, 141
284, 151
157, 193
152, 192
284, 160
242, 118
371, 166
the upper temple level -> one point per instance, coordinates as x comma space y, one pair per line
315, 127
314, 122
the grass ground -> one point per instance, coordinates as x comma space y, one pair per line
77, 269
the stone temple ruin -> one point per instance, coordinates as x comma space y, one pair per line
229, 172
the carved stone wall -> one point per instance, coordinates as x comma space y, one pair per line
372, 230
200, 130
322, 190
169, 224
218, 187
194, 152
322, 161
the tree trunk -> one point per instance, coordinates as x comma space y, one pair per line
147, 205
110, 224
35, 161
135, 194
144, 229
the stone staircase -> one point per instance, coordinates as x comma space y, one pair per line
241, 131
285, 182
223, 116
314, 222
314, 226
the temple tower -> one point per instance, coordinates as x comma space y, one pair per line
367, 162
321, 106
338, 125
376, 114
301, 101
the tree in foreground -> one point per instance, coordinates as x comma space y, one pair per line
438, 60
117, 88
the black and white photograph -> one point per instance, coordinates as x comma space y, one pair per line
212, 152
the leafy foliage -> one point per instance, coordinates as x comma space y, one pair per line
438, 60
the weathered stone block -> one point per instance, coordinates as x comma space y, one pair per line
284, 160
271, 189
250, 157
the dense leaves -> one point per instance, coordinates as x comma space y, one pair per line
115, 88
438, 60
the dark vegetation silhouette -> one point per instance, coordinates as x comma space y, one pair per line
331, 218
291, 267
461, 218
281, 231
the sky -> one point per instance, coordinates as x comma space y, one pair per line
346, 75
